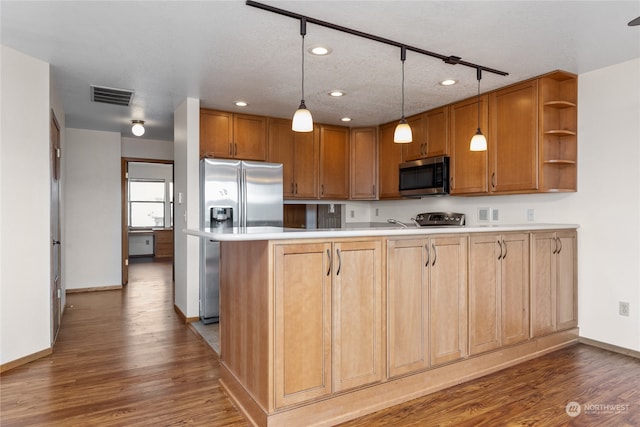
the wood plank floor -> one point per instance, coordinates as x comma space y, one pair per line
123, 358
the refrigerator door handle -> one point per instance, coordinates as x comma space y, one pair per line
243, 197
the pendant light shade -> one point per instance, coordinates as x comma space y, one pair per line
403, 134
302, 120
478, 141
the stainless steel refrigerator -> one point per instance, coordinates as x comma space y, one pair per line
233, 193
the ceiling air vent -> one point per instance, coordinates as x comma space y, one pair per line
109, 95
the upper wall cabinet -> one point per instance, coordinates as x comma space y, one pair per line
364, 164
232, 136
334, 162
513, 139
468, 168
390, 157
430, 135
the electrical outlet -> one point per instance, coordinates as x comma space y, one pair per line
530, 214
377, 211
352, 214
623, 308
484, 215
495, 215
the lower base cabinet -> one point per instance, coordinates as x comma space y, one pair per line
328, 318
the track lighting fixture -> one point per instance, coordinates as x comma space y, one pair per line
478, 141
138, 127
302, 120
402, 134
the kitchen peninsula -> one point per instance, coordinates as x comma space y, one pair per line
322, 326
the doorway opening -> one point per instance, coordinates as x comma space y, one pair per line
147, 213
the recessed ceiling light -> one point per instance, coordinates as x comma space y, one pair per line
336, 93
448, 82
241, 104
346, 119
320, 50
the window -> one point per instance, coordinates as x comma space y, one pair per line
146, 203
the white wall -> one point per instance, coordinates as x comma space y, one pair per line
92, 239
139, 148
606, 206
186, 206
25, 238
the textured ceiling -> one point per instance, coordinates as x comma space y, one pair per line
223, 51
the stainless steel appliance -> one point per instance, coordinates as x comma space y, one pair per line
440, 219
424, 177
233, 193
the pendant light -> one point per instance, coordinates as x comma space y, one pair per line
478, 141
402, 134
302, 120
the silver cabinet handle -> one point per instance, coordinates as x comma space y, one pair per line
559, 243
555, 246
230, 149
339, 262
322, 189
426, 248
504, 244
493, 180
435, 254
329, 256
500, 254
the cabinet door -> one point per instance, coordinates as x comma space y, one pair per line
408, 306
513, 138
250, 137
357, 314
417, 148
306, 165
514, 285
390, 157
543, 283
302, 322
281, 150
334, 162
364, 164
436, 129
484, 293
566, 280
216, 134
468, 168
448, 298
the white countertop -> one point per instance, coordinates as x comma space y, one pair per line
281, 233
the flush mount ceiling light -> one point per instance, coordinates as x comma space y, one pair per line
240, 104
302, 120
336, 93
138, 127
402, 134
320, 50
345, 119
478, 141
448, 82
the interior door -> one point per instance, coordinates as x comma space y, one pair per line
56, 253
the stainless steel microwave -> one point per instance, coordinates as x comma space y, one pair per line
425, 177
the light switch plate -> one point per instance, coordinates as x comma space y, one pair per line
495, 215
484, 215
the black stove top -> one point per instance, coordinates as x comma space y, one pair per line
440, 219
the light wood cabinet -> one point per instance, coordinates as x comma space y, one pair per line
513, 139
389, 159
430, 135
558, 118
498, 290
357, 314
553, 282
334, 162
364, 164
232, 136
302, 322
468, 168
426, 302
298, 152
328, 318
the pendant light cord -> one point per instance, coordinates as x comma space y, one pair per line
479, 76
403, 56
303, 32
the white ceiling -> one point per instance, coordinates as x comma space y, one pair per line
223, 51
